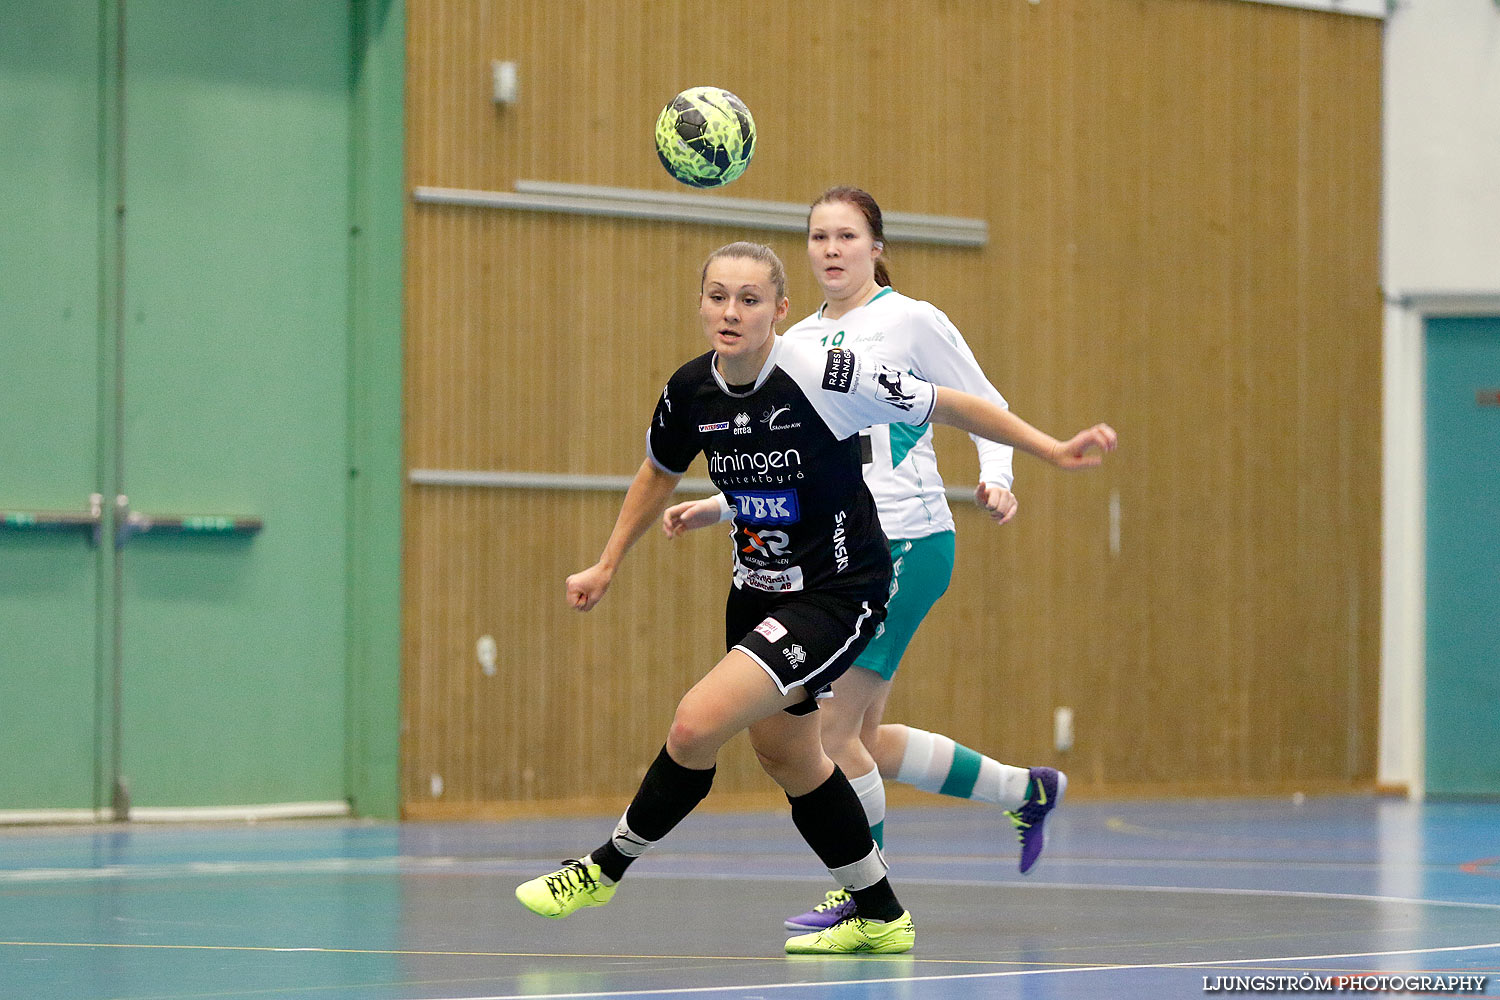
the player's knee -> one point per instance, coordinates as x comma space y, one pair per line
844, 749
771, 762
888, 746
693, 737
837, 731
787, 770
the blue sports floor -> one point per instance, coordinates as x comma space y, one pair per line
1130, 900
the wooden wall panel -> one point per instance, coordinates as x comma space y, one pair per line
1182, 198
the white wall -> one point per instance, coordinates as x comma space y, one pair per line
1442, 146
1441, 255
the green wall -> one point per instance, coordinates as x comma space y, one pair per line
207, 321
378, 183
52, 667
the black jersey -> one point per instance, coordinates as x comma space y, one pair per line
786, 455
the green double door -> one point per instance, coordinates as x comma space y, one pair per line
174, 340
1463, 555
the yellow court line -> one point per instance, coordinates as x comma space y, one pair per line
1118, 824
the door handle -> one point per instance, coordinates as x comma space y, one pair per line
57, 520
130, 523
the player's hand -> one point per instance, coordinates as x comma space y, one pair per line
1085, 449
585, 588
690, 515
999, 501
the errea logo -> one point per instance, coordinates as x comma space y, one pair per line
742, 423
796, 655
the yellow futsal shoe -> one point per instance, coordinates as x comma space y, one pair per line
856, 936
572, 887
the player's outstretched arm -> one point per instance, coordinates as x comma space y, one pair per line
648, 494
691, 515
979, 416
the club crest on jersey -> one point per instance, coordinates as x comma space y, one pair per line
838, 371
890, 390
775, 419
742, 423
766, 507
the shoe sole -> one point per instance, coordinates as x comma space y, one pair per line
559, 915
899, 949
883, 951
897, 941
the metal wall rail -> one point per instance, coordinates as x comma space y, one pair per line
575, 482
542, 481
713, 210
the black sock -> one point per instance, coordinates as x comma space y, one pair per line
611, 862
878, 902
667, 794
833, 823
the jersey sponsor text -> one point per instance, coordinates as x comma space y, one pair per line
840, 549
758, 462
766, 507
838, 372
771, 581
772, 629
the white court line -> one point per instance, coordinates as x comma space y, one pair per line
977, 975
1211, 890
510, 866
184, 869
403, 864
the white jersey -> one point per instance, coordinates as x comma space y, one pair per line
913, 336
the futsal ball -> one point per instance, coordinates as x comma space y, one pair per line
705, 137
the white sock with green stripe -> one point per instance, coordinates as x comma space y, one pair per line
934, 763
870, 788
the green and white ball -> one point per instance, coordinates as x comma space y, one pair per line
705, 137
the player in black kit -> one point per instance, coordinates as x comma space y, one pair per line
778, 423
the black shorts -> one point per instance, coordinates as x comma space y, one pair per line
801, 639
